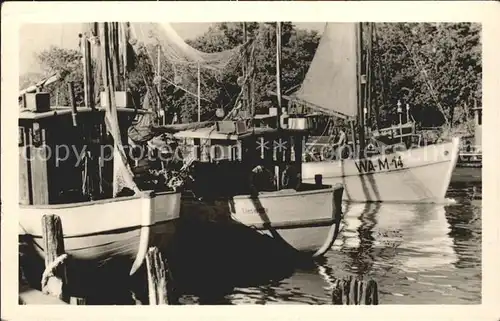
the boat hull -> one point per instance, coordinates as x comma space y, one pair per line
305, 221
97, 233
420, 175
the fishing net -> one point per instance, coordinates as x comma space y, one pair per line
110, 39
176, 50
141, 132
177, 63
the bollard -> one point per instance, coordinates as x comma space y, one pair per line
352, 291
318, 178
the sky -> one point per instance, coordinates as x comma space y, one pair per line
37, 37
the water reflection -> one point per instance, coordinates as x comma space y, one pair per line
404, 236
419, 254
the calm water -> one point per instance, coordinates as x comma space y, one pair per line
418, 254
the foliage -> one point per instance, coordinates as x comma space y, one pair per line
65, 62
408, 60
412, 58
219, 88
29, 79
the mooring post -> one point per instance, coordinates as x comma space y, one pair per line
352, 291
157, 270
54, 279
371, 293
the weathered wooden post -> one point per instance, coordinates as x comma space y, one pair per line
371, 293
351, 291
157, 271
54, 279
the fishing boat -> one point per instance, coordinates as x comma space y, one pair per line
335, 85
233, 176
73, 164
238, 180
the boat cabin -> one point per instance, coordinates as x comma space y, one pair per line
66, 156
230, 159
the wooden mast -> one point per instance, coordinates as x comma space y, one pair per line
361, 85
124, 49
368, 72
377, 74
278, 72
245, 72
158, 84
278, 169
252, 84
88, 83
199, 93
93, 177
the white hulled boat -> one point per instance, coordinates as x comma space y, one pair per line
334, 86
238, 183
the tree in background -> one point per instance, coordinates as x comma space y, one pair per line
65, 62
408, 60
435, 68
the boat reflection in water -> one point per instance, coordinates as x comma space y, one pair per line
412, 251
375, 232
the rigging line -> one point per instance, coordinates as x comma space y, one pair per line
427, 82
147, 51
195, 95
185, 90
172, 83
167, 80
148, 88
177, 86
244, 47
330, 119
249, 73
238, 98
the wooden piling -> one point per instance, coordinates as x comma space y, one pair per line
352, 291
157, 277
54, 279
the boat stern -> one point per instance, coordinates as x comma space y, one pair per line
338, 191
160, 211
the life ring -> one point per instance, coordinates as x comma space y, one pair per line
290, 178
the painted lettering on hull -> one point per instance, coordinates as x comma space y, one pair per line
381, 164
254, 210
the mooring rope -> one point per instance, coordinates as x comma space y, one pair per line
49, 269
